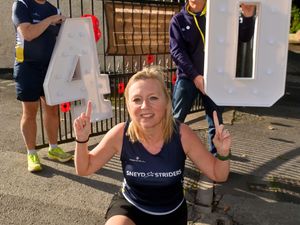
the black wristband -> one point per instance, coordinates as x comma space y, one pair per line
82, 142
224, 158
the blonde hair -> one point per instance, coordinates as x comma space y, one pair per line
155, 73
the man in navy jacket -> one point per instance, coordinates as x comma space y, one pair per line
187, 38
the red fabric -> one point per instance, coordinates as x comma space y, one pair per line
95, 22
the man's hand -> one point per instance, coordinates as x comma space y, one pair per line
56, 19
248, 10
199, 83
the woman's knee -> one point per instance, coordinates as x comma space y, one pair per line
119, 220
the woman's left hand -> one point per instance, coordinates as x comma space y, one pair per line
222, 139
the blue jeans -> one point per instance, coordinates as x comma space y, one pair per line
184, 95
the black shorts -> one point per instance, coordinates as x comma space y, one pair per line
120, 206
29, 79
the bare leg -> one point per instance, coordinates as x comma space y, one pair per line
28, 123
51, 121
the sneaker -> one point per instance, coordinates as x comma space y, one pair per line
59, 155
34, 164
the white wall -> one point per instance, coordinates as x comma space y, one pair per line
7, 35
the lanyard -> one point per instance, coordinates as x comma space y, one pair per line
196, 21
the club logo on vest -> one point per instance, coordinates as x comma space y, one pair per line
137, 159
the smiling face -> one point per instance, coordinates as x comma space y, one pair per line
146, 103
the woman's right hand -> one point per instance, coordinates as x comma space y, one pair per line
82, 124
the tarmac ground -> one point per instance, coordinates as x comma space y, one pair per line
264, 184
263, 187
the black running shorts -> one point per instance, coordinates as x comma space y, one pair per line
29, 79
120, 206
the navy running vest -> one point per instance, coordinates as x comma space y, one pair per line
40, 49
153, 183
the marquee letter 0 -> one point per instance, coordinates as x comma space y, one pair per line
270, 44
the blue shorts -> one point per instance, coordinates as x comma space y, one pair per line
29, 79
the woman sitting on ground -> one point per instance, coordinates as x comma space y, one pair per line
152, 148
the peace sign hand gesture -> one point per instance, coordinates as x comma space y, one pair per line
222, 139
82, 124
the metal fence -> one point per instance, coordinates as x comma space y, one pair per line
119, 67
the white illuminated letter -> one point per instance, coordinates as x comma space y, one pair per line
270, 48
73, 73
